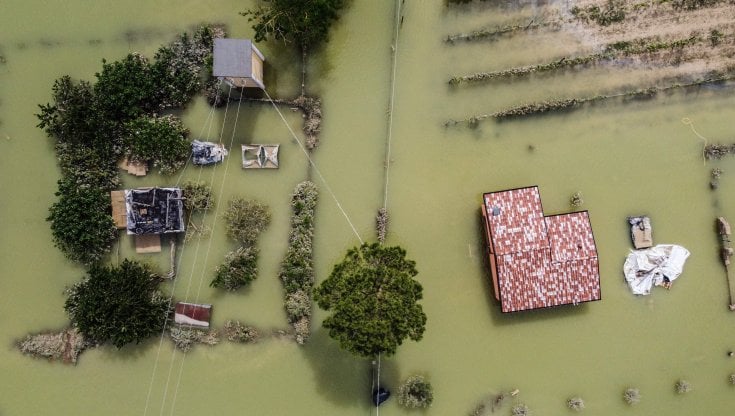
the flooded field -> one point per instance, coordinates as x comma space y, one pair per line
626, 157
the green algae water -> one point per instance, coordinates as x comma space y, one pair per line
627, 158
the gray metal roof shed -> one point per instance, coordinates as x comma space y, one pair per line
238, 60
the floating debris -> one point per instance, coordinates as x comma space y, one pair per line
640, 232
207, 153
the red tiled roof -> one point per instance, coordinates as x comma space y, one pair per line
516, 220
541, 261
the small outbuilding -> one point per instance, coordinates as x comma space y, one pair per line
207, 153
238, 62
154, 210
260, 156
193, 314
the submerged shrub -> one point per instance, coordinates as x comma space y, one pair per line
520, 410
632, 395
246, 219
185, 337
237, 332
576, 404
683, 386
239, 269
198, 196
731, 379
415, 392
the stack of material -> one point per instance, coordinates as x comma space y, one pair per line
207, 153
640, 231
659, 266
133, 167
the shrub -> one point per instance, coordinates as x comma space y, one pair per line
576, 404
246, 219
576, 199
198, 196
185, 337
237, 332
632, 395
127, 89
520, 410
239, 269
297, 304
731, 379
297, 269
682, 386
119, 305
415, 392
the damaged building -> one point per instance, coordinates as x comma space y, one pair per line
154, 211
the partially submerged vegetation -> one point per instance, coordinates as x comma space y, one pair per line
415, 392
246, 219
238, 332
632, 395
65, 345
297, 269
576, 404
185, 337
682, 386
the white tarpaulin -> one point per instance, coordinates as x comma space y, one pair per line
658, 265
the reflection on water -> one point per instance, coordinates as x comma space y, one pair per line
627, 158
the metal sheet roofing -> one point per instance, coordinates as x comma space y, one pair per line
232, 58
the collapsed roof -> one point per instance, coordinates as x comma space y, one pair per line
154, 210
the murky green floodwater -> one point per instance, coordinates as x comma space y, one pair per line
626, 158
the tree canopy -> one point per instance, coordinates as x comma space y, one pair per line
246, 219
373, 299
305, 22
81, 223
162, 140
119, 305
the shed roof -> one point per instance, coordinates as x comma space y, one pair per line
539, 261
193, 314
234, 58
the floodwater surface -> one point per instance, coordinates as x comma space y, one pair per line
627, 158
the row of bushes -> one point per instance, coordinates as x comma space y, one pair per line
94, 124
297, 270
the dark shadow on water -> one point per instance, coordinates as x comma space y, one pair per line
131, 351
341, 378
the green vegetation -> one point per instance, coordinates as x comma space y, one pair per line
239, 269
297, 269
305, 22
576, 200
381, 224
693, 4
197, 196
118, 305
415, 392
632, 395
237, 332
81, 223
731, 379
715, 37
246, 219
611, 51
682, 386
93, 125
491, 33
185, 337
161, 140
613, 12
374, 301
576, 404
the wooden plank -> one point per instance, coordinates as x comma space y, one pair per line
119, 215
148, 243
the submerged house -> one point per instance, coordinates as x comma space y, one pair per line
154, 211
538, 261
238, 62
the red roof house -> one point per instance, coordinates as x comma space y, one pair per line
538, 261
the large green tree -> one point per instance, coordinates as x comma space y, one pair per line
119, 305
373, 298
305, 22
81, 222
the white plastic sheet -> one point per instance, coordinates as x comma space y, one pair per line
659, 265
